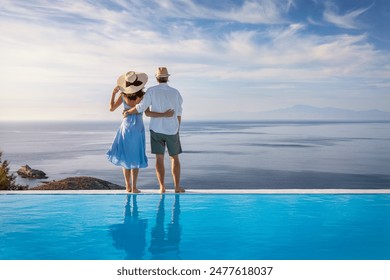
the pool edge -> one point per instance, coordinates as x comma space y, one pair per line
209, 191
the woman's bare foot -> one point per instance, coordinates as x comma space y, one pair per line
128, 189
179, 190
162, 189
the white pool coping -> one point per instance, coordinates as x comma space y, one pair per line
209, 191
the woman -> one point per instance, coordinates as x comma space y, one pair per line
128, 148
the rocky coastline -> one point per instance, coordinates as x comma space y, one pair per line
26, 171
70, 183
7, 181
78, 183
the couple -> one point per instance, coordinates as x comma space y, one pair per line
164, 105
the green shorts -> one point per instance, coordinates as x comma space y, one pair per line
158, 141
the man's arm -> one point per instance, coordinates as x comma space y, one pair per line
180, 109
130, 111
141, 107
166, 114
179, 119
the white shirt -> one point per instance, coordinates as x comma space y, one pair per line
161, 98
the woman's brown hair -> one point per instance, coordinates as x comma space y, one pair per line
133, 96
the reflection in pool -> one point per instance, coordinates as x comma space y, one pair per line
130, 235
194, 226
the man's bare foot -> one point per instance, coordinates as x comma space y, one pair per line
179, 190
135, 190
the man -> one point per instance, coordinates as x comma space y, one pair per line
164, 132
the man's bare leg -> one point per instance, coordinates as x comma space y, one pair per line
160, 171
176, 169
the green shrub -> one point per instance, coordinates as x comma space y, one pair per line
7, 180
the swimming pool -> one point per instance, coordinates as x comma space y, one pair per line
195, 226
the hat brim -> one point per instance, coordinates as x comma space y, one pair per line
121, 82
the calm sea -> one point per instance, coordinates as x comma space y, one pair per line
262, 154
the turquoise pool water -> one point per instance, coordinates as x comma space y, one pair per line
204, 226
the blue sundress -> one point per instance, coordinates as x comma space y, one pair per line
128, 148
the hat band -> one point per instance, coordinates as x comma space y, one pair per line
135, 83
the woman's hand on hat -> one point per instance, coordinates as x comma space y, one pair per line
116, 90
169, 113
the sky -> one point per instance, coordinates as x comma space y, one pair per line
60, 59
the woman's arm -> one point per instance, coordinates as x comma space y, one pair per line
114, 104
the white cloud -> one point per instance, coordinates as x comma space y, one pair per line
263, 11
251, 11
348, 20
68, 55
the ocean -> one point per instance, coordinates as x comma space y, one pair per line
216, 154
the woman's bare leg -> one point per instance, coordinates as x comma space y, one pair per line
126, 175
134, 178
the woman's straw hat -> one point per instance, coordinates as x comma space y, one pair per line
132, 82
